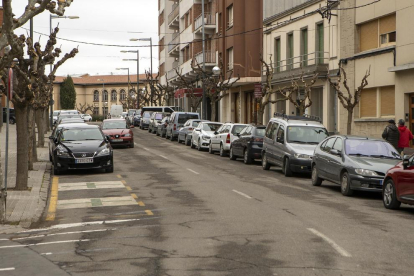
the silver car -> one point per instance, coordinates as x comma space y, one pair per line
223, 137
185, 133
201, 136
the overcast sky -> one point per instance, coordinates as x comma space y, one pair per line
105, 22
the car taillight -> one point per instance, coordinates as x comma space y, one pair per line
175, 127
228, 138
255, 139
190, 128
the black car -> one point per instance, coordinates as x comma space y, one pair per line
355, 163
137, 120
12, 115
249, 145
81, 147
55, 133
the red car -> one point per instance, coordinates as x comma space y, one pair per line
119, 132
399, 184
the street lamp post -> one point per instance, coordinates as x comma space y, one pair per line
204, 101
50, 32
103, 90
150, 41
137, 52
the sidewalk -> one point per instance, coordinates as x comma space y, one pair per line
24, 207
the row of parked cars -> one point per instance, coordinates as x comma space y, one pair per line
298, 144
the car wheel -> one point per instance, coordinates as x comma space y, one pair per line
187, 141
345, 185
162, 134
222, 152
389, 196
246, 157
316, 180
158, 134
12, 121
149, 130
199, 145
192, 145
172, 137
210, 148
265, 164
56, 171
132, 145
231, 155
286, 168
50, 158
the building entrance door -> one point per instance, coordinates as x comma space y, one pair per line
411, 119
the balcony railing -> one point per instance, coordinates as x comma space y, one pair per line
175, 12
311, 59
208, 20
172, 74
174, 43
210, 57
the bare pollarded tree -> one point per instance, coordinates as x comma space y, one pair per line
190, 87
348, 100
83, 108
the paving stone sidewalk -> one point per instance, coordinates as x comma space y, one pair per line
24, 207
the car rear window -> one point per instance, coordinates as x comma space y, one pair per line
195, 123
182, 118
260, 132
147, 114
211, 127
159, 116
237, 129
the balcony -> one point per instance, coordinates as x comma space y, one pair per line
309, 64
173, 20
209, 24
173, 46
210, 58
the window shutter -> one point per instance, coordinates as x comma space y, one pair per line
387, 24
387, 100
369, 103
368, 33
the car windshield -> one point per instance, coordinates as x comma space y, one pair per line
80, 134
159, 116
147, 115
114, 125
195, 123
64, 116
56, 113
376, 149
260, 132
182, 118
237, 129
131, 111
211, 127
306, 134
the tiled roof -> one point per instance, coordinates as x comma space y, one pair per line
107, 79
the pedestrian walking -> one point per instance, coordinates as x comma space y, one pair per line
405, 136
391, 134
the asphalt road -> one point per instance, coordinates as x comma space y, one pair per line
171, 210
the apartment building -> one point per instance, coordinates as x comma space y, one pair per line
297, 40
379, 36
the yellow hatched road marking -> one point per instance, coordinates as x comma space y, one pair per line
119, 176
128, 188
51, 214
134, 196
140, 203
149, 213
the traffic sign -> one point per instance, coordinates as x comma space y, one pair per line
258, 90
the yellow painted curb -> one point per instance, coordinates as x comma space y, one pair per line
51, 213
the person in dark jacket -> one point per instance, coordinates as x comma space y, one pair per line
405, 135
392, 135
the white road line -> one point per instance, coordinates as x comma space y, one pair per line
136, 144
80, 224
71, 252
164, 157
146, 149
44, 243
7, 269
65, 233
339, 249
192, 171
242, 194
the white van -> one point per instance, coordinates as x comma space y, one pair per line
116, 111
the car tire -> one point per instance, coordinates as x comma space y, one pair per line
222, 152
246, 157
162, 135
56, 171
316, 180
12, 121
172, 137
389, 195
231, 155
199, 145
158, 134
210, 148
132, 145
265, 163
346, 185
50, 158
149, 130
192, 145
286, 168
186, 141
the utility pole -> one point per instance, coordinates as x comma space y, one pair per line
204, 101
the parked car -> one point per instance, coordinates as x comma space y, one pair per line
137, 119
124, 115
131, 114
224, 136
200, 138
119, 132
81, 147
68, 116
12, 115
145, 119
355, 163
177, 121
162, 126
69, 112
249, 145
155, 119
290, 141
55, 133
87, 117
399, 184
166, 109
55, 115
185, 133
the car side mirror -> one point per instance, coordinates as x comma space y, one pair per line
280, 140
51, 137
335, 152
215, 132
406, 161
238, 134
197, 129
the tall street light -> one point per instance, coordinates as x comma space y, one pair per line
150, 41
50, 32
103, 90
128, 78
137, 52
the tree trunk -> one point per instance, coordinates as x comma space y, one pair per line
302, 110
34, 150
213, 110
39, 116
31, 126
349, 123
260, 113
47, 120
22, 146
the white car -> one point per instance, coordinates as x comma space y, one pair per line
201, 135
87, 117
55, 115
223, 137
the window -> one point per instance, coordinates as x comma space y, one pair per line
96, 96
230, 16
113, 95
377, 102
304, 46
387, 95
378, 33
289, 54
368, 103
277, 54
269, 130
96, 111
230, 58
122, 95
105, 96
329, 145
320, 43
281, 134
273, 131
387, 27
338, 145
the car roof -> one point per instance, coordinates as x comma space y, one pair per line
71, 124
85, 126
183, 112
296, 122
120, 119
354, 137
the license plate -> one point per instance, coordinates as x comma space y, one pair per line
84, 161
381, 181
117, 140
